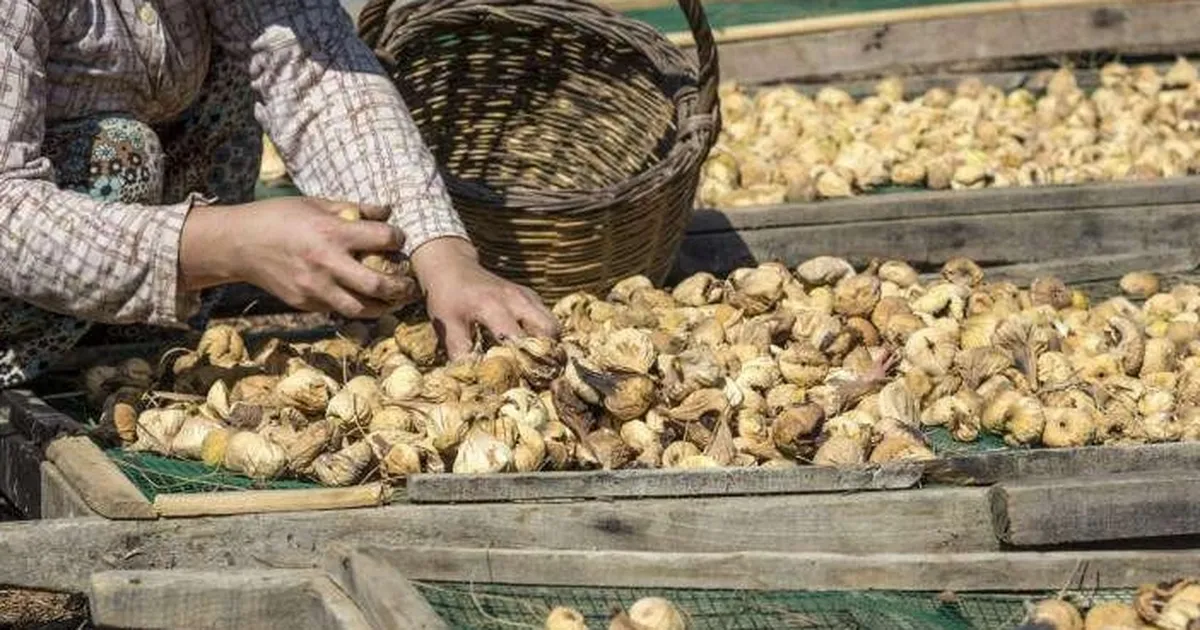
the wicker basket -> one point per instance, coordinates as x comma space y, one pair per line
570, 136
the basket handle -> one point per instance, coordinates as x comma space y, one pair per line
371, 20
706, 52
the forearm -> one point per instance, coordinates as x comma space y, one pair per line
208, 250
339, 124
105, 262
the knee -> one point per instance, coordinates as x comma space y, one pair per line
113, 158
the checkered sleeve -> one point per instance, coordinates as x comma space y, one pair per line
341, 127
62, 251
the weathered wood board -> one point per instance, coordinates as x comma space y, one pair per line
103, 487
983, 469
271, 501
634, 484
994, 227
925, 46
381, 591
766, 570
216, 600
931, 520
35, 487
1101, 508
20, 473
36, 420
60, 499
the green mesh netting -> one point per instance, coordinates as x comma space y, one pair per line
155, 475
669, 19
944, 444
499, 606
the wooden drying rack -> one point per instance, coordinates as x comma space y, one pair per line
1035, 497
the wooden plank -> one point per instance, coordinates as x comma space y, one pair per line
1054, 463
1103, 508
271, 501
926, 46
988, 239
1095, 275
933, 520
20, 472
956, 204
101, 484
762, 570
382, 592
1098, 268
36, 420
885, 17
213, 600
59, 497
337, 609
656, 483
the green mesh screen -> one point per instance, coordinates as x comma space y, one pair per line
944, 444
669, 19
497, 606
155, 475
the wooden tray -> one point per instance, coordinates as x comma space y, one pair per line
1034, 497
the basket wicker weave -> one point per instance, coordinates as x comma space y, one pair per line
569, 136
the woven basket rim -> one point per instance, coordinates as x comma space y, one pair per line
695, 132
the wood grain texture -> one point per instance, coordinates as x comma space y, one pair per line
214, 600
990, 239
20, 472
270, 501
386, 597
931, 520
59, 498
789, 571
1053, 464
1100, 508
928, 45
1089, 269
887, 17
99, 482
337, 609
952, 204
656, 483
34, 419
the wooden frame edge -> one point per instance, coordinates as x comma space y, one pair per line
962, 572
845, 21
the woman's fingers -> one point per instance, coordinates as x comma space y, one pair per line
533, 315
456, 336
368, 283
375, 213
369, 212
370, 236
500, 321
347, 304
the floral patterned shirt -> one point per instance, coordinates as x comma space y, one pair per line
336, 118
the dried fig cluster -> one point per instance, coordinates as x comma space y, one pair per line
778, 145
1173, 605
770, 367
647, 613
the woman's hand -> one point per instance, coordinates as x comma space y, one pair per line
297, 249
461, 293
